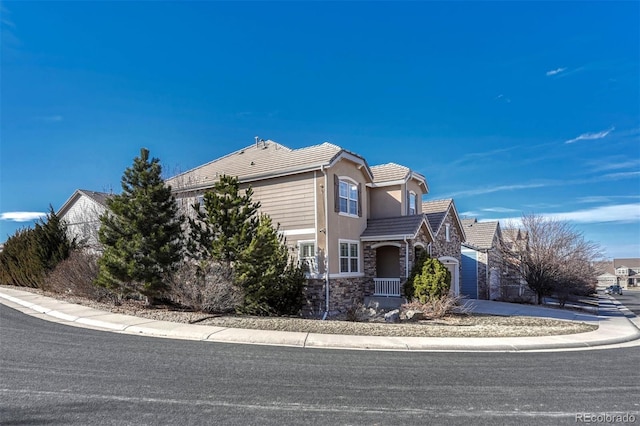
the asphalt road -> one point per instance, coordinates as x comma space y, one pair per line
631, 300
56, 374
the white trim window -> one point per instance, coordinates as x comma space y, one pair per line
413, 203
447, 232
307, 255
347, 196
349, 256
200, 202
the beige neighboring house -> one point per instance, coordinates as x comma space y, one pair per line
357, 227
449, 234
82, 212
624, 272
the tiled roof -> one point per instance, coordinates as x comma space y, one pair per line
480, 234
389, 172
394, 227
632, 262
436, 211
392, 172
263, 160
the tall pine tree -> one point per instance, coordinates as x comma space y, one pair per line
141, 232
226, 224
272, 283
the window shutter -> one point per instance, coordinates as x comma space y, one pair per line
336, 193
360, 199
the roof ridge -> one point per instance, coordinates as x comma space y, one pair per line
391, 163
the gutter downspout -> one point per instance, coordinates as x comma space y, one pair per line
326, 243
406, 259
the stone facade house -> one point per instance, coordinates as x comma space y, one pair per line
81, 212
482, 260
449, 234
357, 227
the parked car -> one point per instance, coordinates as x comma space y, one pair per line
613, 289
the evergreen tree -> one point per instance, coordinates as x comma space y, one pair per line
432, 282
32, 253
141, 232
19, 260
272, 283
226, 224
53, 243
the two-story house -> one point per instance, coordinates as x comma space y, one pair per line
358, 227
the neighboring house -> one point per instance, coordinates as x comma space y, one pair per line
482, 260
357, 227
607, 279
449, 234
624, 272
514, 287
82, 212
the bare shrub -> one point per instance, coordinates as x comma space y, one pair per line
75, 276
359, 313
205, 287
436, 307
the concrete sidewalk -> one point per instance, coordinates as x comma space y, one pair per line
616, 328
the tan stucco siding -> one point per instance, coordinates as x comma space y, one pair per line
341, 226
385, 202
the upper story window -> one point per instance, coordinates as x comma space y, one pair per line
622, 271
447, 232
349, 257
413, 203
347, 194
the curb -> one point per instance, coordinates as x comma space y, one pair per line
613, 330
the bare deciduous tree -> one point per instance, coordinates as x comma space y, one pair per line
556, 259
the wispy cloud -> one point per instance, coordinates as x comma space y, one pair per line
621, 213
556, 71
51, 118
606, 198
500, 188
21, 216
503, 98
617, 213
4, 17
615, 165
591, 136
499, 210
469, 213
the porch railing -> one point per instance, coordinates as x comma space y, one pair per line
387, 286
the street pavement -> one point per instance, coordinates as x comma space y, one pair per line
618, 327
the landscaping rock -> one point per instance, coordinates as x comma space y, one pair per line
392, 316
414, 316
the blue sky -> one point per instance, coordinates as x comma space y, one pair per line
508, 107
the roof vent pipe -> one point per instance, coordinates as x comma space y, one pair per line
257, 140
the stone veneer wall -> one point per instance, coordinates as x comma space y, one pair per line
483, 285
343, 294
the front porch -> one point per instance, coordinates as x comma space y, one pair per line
389, 287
